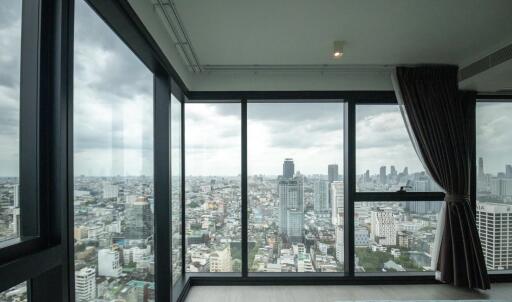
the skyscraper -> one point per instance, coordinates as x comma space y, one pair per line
494, 223
337, 202
288, 168
139, 220
481, 172
85, 285
332, 173
382, 175
291, 204
321, 194
508, 171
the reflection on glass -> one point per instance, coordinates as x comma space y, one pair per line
213, 197
10, 49
113, 162
295, 191
494, 183
16, 293
395, 236
176, 210
385, 157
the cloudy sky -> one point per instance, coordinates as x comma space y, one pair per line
113, 119
10, 44
311, 134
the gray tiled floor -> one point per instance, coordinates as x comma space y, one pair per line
499, 291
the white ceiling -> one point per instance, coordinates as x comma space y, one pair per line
301, 32
376, 32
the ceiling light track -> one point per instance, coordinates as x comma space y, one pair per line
300, 68
170, 16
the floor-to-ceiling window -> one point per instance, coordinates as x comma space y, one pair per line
113, 166
390, 235
10, 61
494, 182
295, 187
176, 190
212, 187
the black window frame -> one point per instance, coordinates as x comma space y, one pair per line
46, 260
350, 99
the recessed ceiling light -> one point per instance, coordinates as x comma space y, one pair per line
338, 49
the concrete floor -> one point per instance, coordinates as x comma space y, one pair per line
330, 293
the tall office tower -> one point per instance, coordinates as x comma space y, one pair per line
288, 168
16, 227
220, 261
321, 193
393, 172
85, 285
139, 220
494, 223
406, 171
383, 227
337, 202
110, 191
481, 172
501, 186
291, 197
16, 196
332, 173
508, 171
109, 264
295, 225
367, 176
340, 247
382, 175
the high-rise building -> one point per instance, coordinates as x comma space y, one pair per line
139, 220
494, 223
110, 191
220, 261
109, 264
383, 227
288, 168
291, 198
501, 186
321, 195
481, 172
332, 173
85, 285
337, 194
295, 225
16, 196
508, 171
340, 246
393, 172
382, 175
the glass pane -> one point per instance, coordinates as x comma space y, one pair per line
16, 293
113, 162
494, 183
176, 209
385, 157
395, 236
295, 191
213, 197
10, 52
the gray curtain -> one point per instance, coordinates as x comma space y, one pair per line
439, 121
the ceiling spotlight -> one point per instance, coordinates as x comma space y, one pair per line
338, 49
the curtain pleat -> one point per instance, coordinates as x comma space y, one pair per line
437, 117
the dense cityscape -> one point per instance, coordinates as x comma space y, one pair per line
295, 225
